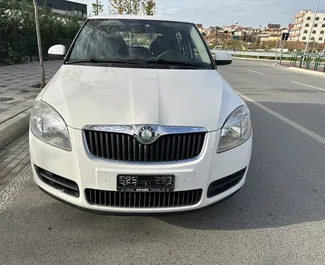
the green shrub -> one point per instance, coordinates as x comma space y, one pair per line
18, 41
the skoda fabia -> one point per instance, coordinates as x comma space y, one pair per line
138, 120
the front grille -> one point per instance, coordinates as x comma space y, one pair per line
65, 185
221, 185
143, 199
124, 147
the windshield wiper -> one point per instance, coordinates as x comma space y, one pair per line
93, 60
163, 62
120, 61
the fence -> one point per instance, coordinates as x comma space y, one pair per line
314, 62
259, 54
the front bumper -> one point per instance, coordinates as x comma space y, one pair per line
95, 174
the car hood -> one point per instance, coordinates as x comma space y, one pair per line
91, 95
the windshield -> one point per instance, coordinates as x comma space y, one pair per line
145, 42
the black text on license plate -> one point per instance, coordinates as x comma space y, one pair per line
142, 183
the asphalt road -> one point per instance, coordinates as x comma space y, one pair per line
277, 218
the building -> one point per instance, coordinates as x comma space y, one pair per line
272, 32
231, 28
273, 26
201, 29
64, 7
238, 32
303, 25
290, 26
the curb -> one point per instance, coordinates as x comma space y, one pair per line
255, 59
304, 71
14, 127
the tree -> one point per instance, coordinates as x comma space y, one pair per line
39, 44
97, 7
136, 7
294, 45
127, 7
117, 6
133, 7
233, 44
149, 7
268, 45
18, 40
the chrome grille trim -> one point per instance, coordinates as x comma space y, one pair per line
133, 130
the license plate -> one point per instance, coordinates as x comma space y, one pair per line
142, 183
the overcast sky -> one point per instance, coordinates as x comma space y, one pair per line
225, 12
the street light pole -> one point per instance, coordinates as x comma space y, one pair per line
310, 32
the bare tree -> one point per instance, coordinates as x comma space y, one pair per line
149, 7
39, 44
133, 7
136, 7
117, 6
97, 7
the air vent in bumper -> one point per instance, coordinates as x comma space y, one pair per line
143, 199
221, 185
65, 185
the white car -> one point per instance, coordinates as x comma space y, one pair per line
138, 120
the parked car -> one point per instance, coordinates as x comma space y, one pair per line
138, 120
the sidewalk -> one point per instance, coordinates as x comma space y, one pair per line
311, 67
310, 71
17, 96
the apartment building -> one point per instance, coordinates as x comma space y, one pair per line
303, 25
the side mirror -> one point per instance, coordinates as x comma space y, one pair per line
222, 57
58, 49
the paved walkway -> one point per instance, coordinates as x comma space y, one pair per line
13, 159
16, 95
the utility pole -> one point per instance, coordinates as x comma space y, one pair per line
275, 49
285, 36
312, 25
39, 44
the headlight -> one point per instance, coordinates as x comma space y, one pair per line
47, 125
236, 130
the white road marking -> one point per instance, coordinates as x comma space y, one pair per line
322, 89
300, 128
256, 72
9, 193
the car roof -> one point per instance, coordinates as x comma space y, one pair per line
141, 17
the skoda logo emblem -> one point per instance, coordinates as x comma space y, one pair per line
146, 134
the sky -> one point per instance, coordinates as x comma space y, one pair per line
254, 13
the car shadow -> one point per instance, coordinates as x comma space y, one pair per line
285, 182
